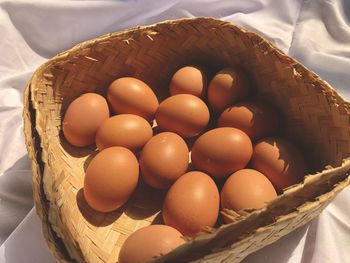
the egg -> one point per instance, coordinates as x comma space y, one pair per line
189, 80
227, 87
110, 179
163, 159
133, 96
83, 117
192, 203
184, 114
221, 151
127, 130
149, 242
255, 119
280, 161
247, 189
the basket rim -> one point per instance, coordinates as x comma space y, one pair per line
302, 69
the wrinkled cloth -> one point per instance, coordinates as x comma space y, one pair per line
315, 32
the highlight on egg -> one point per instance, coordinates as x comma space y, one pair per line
247, 189
149, 242
257, 120
163, 159
184, 114
189, 80
280, 161
228, 86
110, 179
221, 151
192, 203
133, 96
83, 117
126, 130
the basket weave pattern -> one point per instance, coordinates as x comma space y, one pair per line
315, 117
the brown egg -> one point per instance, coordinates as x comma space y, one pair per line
83, 117
227, 87
149, 242
280, 161
221, 151
184, 114
247, 189
110, 179
163, 159
192, 203
127, 130
189, 80
255, 119
131, 95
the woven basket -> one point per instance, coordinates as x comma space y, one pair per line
315, 117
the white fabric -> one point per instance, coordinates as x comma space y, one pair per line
26, 243
316, 32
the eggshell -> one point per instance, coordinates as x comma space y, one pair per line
221, 151
83, 117
255, 119
246, 189
280, 161
184, 114
110, 179
191, 203
127, 130
163, 159
149, 242
189, 80
131, 95
227, 87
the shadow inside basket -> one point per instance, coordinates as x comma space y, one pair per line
144, 204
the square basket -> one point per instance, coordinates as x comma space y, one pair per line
315, 117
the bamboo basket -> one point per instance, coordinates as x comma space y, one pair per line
315, 117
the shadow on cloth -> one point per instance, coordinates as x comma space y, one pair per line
16, 196
281, 250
